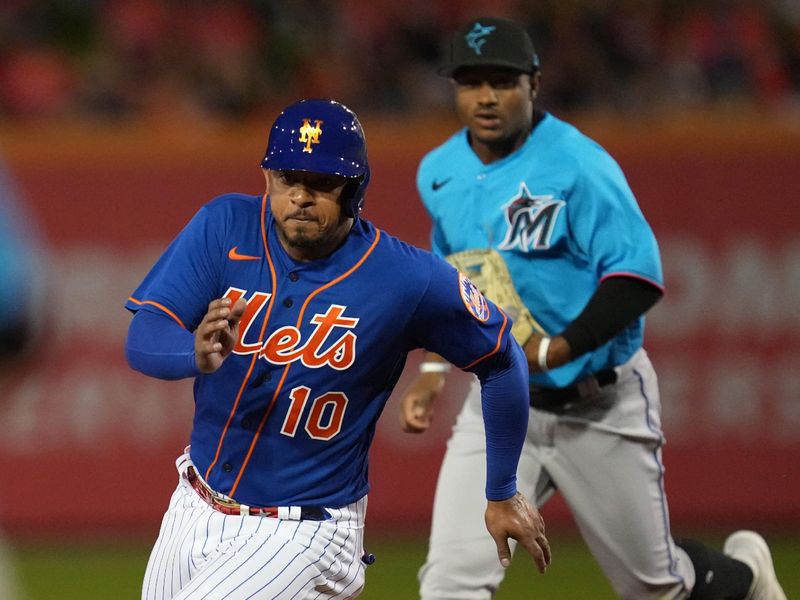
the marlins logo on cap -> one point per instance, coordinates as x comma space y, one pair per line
476, 304
494, 42
477, 36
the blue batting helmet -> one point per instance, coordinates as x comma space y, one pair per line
321, 136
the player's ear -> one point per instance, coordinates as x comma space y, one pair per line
536, 80
266, 178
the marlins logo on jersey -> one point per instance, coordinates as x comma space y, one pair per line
530, 220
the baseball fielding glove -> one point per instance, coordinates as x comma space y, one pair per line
489, 272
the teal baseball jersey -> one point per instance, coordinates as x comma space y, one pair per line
562, 216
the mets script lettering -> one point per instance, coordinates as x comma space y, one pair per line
530, 220
327, 345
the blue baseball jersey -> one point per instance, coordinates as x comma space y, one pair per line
289, 417
563, 217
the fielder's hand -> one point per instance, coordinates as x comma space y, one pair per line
217, 333
558, 352
416, 405
516, 518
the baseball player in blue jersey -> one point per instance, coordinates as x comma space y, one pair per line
295, 317
542, 219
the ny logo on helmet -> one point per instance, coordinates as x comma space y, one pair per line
310, 135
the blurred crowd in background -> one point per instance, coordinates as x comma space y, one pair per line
116, 59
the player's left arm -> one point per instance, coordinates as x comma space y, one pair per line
608, 228
455, 321
517, 518
504, 404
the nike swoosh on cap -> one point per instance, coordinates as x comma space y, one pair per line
234, 255
437, 184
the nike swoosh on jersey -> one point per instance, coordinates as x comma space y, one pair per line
234, 255
435, 185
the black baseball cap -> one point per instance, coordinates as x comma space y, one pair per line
491, 41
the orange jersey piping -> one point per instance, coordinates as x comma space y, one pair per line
160, 306
286, 369
496, 347
273, 279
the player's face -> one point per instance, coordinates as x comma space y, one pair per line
496, 105
308, 212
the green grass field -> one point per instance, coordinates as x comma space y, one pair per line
89, 572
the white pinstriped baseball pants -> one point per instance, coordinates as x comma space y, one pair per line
203, 553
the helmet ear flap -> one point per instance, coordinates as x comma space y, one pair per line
353, 196
348, 195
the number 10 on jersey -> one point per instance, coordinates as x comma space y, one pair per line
324, 419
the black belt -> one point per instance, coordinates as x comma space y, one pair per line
559, 400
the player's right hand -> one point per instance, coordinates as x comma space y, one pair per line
416, 404
217, 333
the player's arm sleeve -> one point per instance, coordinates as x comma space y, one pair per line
504, 403
607, 225
612, 234
485, 347
616, 304
185, 278
157, 346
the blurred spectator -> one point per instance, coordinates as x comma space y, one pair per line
103, 59
734, 43
21, 276
22, 298
36, 82
130, 59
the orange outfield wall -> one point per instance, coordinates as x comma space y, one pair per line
89, 444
